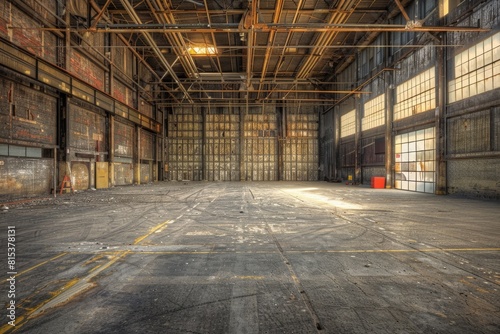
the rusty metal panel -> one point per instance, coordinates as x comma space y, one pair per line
80, 175
24, 176
146, 173
124, 174
101, 175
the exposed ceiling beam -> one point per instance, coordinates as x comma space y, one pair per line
326, 37
263, 11
186, 28
154, 47
270, 42
402, 9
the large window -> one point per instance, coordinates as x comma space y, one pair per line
348, 124
415, 155
477, 70
416, 95
374, 113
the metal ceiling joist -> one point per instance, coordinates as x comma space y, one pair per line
326, 37
98, 9
270, 43
189, 28
288, 38
154, 47
100, 14
164, 16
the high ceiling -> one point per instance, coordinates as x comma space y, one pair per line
232, 51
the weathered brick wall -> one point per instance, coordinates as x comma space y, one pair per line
122, 93
474, 177
87, 130
146, 108
123, 60
369, 172
147, 145
87, 70
123, 140
33, 117
41, 43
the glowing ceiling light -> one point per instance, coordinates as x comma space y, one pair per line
202, 50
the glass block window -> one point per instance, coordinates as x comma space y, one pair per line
477, 70
415, 161
348, 124
374, 113
416, 95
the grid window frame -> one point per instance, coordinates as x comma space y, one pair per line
416, 95
374, 111
476, 70
348, 124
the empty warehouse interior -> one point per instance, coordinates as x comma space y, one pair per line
259, 166
113, 93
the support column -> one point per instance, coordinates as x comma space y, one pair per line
358, 179
336, 144
204, 143
279, 143
441, 183
242, 145
111, 151
389, 118
137, 156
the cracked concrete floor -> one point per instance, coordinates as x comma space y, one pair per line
269, 257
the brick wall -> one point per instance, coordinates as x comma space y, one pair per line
147, 146
33, 117
87, 70
474, 177
41, 43
123, 140
88, 130
122, 93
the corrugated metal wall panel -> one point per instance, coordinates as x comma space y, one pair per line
260, 158
222, 147
301, 148
184, 145
250, 153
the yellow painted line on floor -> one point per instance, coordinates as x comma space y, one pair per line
426, 250
24, 318
21, 320
152, 231
41, 264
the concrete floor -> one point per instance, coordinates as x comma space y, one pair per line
281, 257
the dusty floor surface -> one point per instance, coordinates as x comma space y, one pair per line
280, 257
